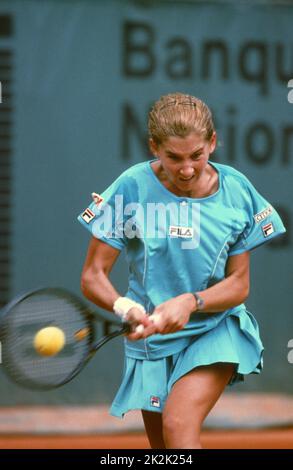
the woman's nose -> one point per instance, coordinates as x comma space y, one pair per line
187, 171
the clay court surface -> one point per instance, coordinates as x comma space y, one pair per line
262, 439
238, 421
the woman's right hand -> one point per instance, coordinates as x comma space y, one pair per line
139, 321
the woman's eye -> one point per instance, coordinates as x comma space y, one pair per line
174, 158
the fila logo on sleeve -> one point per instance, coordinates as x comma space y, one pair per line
267, 229
88, 215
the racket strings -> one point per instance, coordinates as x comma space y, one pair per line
25, 320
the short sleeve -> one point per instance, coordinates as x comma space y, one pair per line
104, 216
262, 222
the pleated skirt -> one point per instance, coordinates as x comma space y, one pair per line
146, 384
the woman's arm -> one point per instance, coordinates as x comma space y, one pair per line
172, 315
95, 283
233, 290
96, 286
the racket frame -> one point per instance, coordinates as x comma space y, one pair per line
92, 316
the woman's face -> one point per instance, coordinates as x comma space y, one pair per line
184, 159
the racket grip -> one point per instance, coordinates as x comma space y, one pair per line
128, 328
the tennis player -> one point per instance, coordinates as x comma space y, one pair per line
188, 226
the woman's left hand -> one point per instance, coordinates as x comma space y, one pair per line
172, 315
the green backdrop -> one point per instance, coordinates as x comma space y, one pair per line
77, 81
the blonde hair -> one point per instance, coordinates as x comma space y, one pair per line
177, 114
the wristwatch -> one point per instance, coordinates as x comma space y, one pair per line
199, 302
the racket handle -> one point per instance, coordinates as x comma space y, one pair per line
154, 318
126, 328
140, 328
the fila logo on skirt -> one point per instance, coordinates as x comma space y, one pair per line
155, 401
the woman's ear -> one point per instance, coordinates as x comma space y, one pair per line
213, 142
153, 147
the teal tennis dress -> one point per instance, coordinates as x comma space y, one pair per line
176, 245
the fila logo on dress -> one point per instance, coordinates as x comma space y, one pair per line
180, 232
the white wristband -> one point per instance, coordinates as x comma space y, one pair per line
123, 304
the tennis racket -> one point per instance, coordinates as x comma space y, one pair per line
26, 315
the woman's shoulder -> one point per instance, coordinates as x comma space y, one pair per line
239, 186
232, 175
135, 171
229, 170
128, 182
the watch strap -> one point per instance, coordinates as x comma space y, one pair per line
199, 301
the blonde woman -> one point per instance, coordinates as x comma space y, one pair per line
188, 226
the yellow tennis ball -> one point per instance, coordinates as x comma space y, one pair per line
49, 341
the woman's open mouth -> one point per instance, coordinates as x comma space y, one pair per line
186, 180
